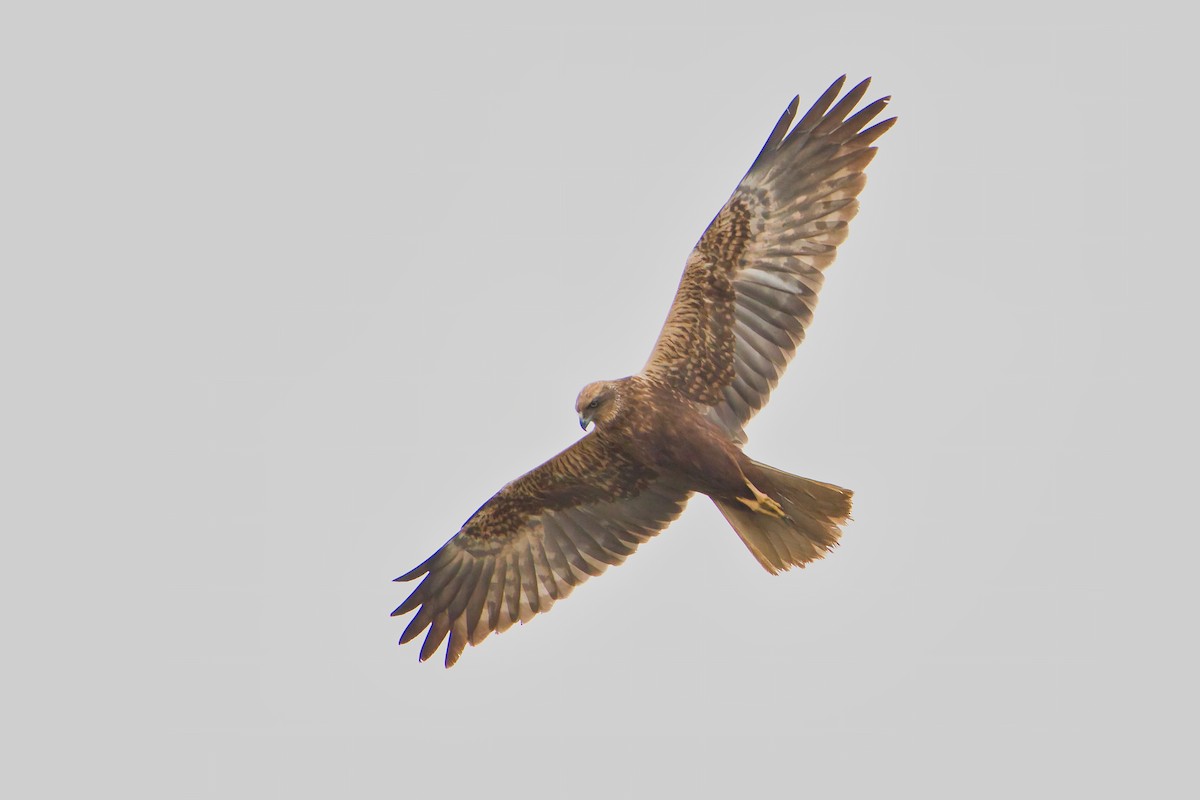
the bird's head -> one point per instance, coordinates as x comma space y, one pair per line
598, 402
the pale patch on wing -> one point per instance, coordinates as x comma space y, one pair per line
751, 284
505, 566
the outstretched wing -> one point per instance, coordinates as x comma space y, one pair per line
751, 283
534, 542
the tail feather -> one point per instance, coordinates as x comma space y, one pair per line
813, 515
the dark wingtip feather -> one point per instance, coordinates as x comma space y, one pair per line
412, 601
417, 571
454, 648
814, 114
865, 115
874, 132
834, 117
778, 132
437, 634
418, 623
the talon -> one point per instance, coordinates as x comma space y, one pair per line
761, 503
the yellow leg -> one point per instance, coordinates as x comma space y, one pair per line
761, 503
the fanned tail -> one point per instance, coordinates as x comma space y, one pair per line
813, 515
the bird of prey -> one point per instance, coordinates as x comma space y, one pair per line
676, 427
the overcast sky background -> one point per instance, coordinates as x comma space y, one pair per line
288, 291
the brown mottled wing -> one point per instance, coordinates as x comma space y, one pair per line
751, 283
531, 544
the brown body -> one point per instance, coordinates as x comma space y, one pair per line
657, 426
743, 305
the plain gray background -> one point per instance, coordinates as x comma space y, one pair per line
289, 290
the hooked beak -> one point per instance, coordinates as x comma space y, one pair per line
584, 421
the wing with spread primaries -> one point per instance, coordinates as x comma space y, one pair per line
751, 283
534, 542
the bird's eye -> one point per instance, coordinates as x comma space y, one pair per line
594, 404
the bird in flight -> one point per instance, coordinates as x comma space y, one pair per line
676, 427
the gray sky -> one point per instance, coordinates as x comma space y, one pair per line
289, 291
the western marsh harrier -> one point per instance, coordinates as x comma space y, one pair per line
746, 297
